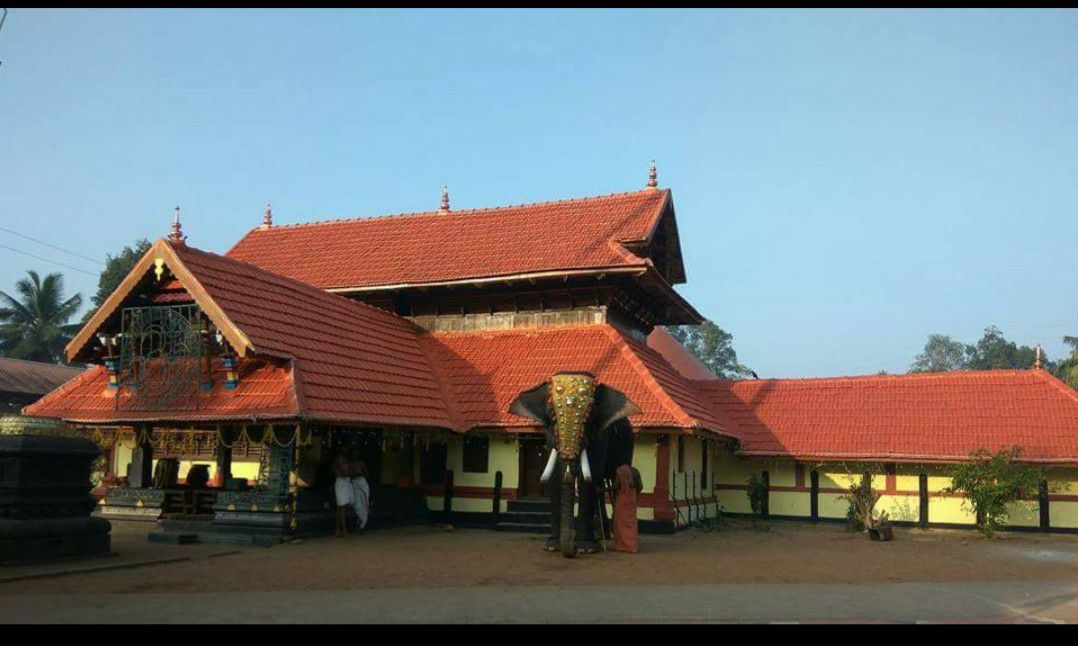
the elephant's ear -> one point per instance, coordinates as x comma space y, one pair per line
610, 406
532, 403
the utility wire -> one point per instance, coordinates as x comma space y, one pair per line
49, 244
55, 262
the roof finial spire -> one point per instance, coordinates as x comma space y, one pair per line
445, 200
267, 217
653, 176
176, 236
1038, 358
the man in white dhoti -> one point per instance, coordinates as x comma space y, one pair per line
344, 492
361, 494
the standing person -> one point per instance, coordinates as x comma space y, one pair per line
625, 526
344, 493
361, 494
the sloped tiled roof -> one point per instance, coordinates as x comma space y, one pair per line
485, 371
265, 392
677, 355
350, 362
423, 248
933, 417
33, 377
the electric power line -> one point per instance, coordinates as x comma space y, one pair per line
50, 245
55, 262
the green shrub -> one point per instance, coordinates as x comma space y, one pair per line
991, 481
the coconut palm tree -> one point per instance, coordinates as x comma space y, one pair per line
35, 326
1068, 368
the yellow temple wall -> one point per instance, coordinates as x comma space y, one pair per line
240, 469
900, 497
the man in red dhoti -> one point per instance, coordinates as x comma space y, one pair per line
628, 487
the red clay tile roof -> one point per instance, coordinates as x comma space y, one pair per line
265, 392
33, 377
485, 371
923, 417
579, 234
350, 362
677, 356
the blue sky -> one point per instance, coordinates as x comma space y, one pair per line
846, 182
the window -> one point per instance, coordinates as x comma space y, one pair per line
476, 454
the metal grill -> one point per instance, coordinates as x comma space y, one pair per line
160, 358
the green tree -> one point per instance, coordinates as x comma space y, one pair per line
1067, 369
994, 352
941, 354
713, 346
116, 269
35, 326
992, 481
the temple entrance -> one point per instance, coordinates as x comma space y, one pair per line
532, 460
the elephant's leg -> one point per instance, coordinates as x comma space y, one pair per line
589, 497
554, 490
585, 521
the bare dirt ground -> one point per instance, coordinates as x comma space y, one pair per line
431, 557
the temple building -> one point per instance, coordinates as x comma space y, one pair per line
223, 384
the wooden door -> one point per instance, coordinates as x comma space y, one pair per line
532, 461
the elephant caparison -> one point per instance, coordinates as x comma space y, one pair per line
588, 436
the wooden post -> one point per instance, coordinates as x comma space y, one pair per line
497, 495
223, 451
406, 477
814, 495
767, 494
1045, 515
447, 500
922, 483
141, 474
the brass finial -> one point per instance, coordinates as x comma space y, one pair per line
176, 236
653, 176
267, 217
1038, 358
445, 200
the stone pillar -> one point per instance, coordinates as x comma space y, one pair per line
141, 475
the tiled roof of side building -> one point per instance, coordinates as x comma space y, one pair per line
920, 417
33, 377
423, 248
485, 371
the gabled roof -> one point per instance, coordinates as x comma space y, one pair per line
589, 235
33, 377
919, 417
485, 371
349, 361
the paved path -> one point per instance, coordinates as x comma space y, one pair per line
896, 602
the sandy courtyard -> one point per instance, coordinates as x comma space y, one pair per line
431, 557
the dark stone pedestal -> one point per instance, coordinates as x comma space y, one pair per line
45, 501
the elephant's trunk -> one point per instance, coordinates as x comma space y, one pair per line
567, 537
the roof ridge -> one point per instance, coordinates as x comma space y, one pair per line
1056, 382
440, 214
658, 391
909, 376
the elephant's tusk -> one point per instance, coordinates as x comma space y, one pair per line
585, 468
551, 462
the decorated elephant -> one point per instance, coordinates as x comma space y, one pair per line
588, 437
